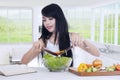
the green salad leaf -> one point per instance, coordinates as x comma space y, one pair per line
55, 63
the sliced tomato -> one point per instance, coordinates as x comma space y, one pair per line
118, 67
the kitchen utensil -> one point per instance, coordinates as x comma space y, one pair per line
63, 51
50, 52
58, 52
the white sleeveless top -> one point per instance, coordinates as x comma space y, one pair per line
52, 47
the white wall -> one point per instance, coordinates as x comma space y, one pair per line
37, 20
72, 3
16, 50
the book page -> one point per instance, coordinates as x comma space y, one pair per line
9, 70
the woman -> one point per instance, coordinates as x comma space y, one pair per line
55, 35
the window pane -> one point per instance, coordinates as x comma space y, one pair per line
79, 20
15, 25
101, 24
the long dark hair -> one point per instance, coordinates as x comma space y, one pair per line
53, 10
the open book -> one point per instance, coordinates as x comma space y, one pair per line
9, 70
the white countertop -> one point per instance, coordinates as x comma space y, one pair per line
44, 74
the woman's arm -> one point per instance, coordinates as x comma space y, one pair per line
78, 40
33, 52
89, 47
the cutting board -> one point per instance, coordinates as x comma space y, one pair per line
98, 73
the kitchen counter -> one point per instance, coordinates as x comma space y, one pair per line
44, 74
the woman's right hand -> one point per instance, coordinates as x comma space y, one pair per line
33, 52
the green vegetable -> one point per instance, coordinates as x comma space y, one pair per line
94, 69
54, 63
110, 69
46, 56
89, 70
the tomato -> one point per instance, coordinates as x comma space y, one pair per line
89, 65
118, 67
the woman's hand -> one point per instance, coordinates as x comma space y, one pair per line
33, 52
38, 46
76, 39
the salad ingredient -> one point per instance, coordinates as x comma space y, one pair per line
97, 63
55, 63
117, 67
82, 67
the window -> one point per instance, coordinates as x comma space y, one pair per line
15, 25
107, 24
79, 20
101, 24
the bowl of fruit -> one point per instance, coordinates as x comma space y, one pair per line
56, 63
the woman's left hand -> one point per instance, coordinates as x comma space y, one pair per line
76, 39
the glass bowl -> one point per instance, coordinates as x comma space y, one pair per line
55, 63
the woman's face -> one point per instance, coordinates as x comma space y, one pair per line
49, 23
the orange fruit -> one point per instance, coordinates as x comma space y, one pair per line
97, 63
